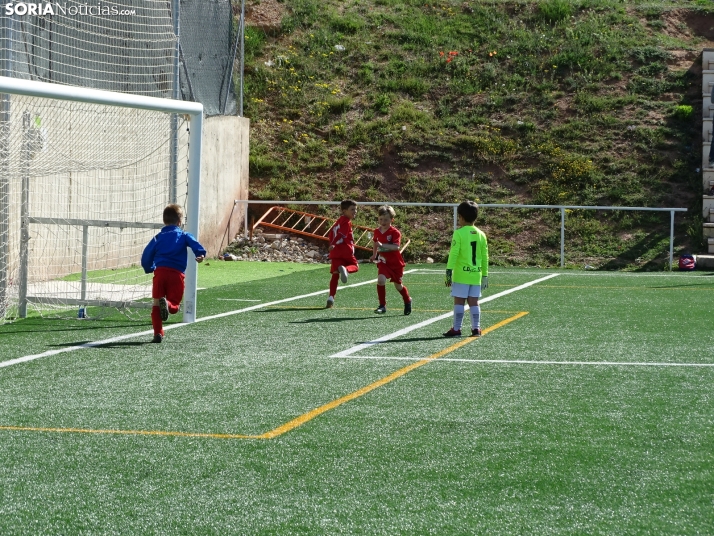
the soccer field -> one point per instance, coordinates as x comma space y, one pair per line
585, 408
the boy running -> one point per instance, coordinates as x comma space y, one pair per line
342, 248
467, 269
390, 264
166, 256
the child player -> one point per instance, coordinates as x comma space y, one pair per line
467, 269
342, 248
166, 256
390, 264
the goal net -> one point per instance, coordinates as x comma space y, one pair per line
84, 179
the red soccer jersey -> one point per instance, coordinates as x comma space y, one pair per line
390, 236
342, 238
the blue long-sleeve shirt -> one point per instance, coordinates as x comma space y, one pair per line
168, 250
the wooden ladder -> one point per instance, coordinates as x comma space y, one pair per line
312, 225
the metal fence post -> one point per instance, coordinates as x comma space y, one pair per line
85, 247
671, 238
456, 219
562, 237
24, 216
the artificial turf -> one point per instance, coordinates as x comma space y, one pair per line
520, 431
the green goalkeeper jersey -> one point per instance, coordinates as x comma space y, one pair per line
468, 256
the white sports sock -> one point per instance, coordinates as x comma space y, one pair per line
458, 317
475, 317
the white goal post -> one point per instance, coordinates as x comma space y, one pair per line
191, 111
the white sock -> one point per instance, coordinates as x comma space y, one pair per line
475, 317
458, 317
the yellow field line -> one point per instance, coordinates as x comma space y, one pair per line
298, 421
302, 419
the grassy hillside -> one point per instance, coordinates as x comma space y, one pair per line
554, 102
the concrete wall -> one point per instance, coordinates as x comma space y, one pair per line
224, 177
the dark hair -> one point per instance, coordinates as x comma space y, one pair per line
347, 203
386, 210
468, 210
173, 215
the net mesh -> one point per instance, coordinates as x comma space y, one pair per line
209, 47
82, 189
129, 48
90, 174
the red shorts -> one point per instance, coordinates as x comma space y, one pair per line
349, 263
392, 272
168, 283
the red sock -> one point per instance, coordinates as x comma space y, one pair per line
173, 309
156, 320
382, 294
405, 294
333, 284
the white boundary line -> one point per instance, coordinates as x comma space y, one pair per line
527, 362
700, 274
112, 340
408, 329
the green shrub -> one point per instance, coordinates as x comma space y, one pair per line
349, 24
554, 10
382, 103
338, 105
683, 112
415, 87
262, 166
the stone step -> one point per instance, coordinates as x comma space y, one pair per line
707, 59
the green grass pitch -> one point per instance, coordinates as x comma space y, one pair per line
585, 408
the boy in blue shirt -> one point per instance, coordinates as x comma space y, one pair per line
166, 257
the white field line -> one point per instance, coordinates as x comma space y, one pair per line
675, 275
527, 362
112, 340
360, 347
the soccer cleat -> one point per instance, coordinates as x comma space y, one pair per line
158, 338
164, 309
330, 303
381, 310
452, 333
408, 308
343, 274
476, 332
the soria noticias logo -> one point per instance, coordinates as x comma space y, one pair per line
43, 9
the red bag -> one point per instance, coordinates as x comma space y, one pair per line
687, 262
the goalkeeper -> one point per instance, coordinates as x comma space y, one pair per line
166, 255
467, 268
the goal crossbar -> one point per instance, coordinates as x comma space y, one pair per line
193, 111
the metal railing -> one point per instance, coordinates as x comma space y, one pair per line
454, 206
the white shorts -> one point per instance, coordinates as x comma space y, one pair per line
462, 290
